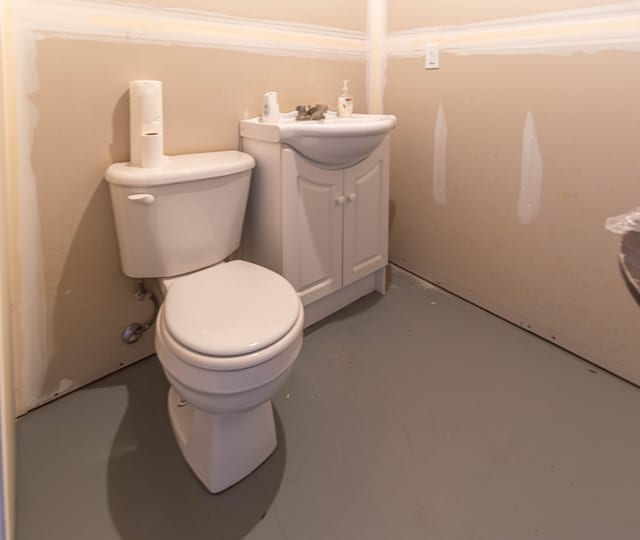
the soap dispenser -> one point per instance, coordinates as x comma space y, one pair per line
345, 101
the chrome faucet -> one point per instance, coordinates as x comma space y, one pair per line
311, 113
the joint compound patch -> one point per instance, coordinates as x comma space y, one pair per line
440, 157
531, 174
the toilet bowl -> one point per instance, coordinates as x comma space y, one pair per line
227, 338
228, 333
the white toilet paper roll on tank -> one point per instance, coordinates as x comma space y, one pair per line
151, 150
145, 123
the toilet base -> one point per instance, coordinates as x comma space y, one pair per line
222, 449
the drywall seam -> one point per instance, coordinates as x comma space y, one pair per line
112, 21
530, 174
440, 157
376, 55
30, 350
589, 30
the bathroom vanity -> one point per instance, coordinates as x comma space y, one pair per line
322, 225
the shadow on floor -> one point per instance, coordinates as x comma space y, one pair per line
352, 310
152, 493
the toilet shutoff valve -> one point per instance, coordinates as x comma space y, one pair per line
132, 333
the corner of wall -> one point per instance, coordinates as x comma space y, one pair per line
376, 54
7, 407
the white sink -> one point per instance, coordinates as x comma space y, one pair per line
334, 142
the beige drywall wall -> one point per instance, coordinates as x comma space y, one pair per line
408, 14
348, 15
73, 122
558, 274
71, 108
81, 126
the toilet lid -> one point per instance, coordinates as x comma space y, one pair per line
230, 309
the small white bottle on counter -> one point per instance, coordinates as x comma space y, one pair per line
345, 101
271, 108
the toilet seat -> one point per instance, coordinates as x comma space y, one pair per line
230, 316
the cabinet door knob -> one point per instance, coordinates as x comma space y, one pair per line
341, 199
352, 196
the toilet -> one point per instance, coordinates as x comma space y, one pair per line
228, 333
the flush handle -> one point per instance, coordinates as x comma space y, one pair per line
144, 198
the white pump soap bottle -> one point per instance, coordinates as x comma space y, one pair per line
345, 101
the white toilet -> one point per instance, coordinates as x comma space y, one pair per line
227, 333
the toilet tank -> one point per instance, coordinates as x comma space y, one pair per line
185, 215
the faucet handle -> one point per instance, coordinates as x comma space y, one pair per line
317, 112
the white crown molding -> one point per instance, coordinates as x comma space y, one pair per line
611, 27
115, 21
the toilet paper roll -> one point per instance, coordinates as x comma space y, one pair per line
271, 108
151, 149
145, 115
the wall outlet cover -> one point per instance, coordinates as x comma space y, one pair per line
432, 56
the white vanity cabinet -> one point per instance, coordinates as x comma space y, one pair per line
325, 230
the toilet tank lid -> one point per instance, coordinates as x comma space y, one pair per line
181, 168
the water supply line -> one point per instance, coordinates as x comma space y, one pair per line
132, 333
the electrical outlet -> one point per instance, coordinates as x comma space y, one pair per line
432, 57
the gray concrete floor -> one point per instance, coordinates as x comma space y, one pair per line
410, 416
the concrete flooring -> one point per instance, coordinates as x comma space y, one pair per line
410, 416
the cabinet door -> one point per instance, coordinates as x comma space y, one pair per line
312, 227
366, 215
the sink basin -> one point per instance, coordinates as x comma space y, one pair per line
334, 142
